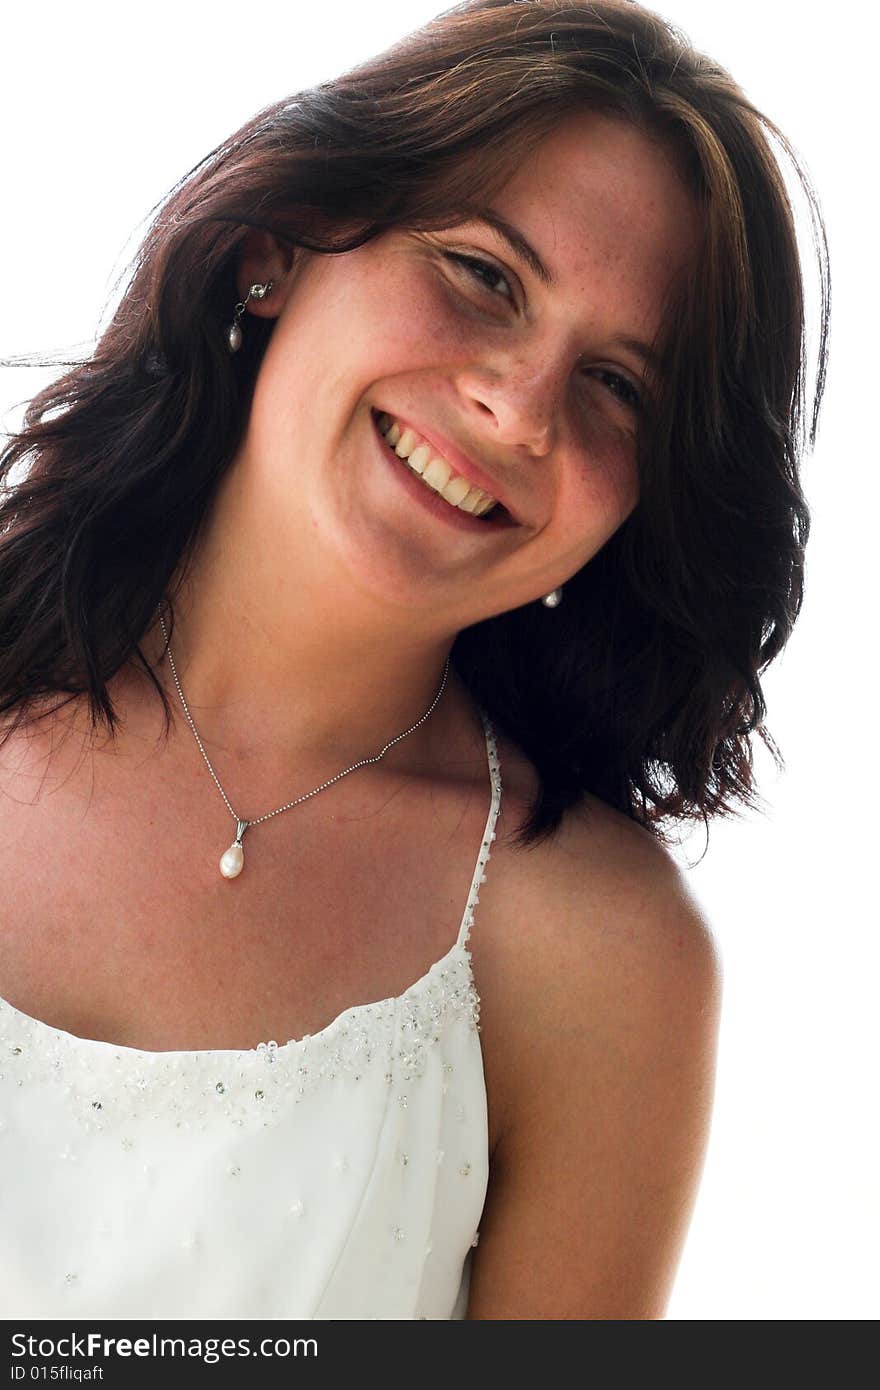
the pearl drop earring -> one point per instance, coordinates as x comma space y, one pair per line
233, 332
553, 599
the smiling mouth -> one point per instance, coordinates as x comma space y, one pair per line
468, 501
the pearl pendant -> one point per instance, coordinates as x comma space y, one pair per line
233, 338
232, 861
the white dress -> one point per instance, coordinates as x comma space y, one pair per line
340, 1175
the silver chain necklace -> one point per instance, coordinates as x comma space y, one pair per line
232, 860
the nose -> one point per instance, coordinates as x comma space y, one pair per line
520, 400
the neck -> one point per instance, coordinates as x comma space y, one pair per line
341, 700
287, 684
292, 669
343, 707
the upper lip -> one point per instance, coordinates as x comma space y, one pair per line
460, 462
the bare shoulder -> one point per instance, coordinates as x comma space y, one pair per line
607, 1018
604, 917
627, 948
615, 897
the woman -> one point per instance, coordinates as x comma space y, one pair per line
448, 430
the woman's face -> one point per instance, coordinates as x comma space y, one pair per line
526, 387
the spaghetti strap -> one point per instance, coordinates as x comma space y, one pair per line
479, 877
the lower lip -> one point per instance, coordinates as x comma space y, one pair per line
431, 501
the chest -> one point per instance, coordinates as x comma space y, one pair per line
118, 925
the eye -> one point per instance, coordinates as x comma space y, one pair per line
621, 387
481, 271
485, 271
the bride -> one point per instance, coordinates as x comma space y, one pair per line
399, 566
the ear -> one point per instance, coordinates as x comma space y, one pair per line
262, 258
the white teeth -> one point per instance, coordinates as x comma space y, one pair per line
435, 471
405, 444
455, 490
471, 501
419, 458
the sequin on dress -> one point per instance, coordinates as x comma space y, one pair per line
337, 1176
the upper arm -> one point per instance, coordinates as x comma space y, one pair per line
613, 1049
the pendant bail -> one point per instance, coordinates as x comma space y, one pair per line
242, 827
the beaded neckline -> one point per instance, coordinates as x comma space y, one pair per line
458, 956
62, 1038
103, 1085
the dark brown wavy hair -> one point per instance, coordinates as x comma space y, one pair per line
643, 686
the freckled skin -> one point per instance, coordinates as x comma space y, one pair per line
509, 377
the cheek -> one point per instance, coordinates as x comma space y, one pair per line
602, 492
622, 480
411, 317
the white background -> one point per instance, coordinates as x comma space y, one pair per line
103, 107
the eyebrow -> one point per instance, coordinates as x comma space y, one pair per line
643, 350
519, 245
523, 249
